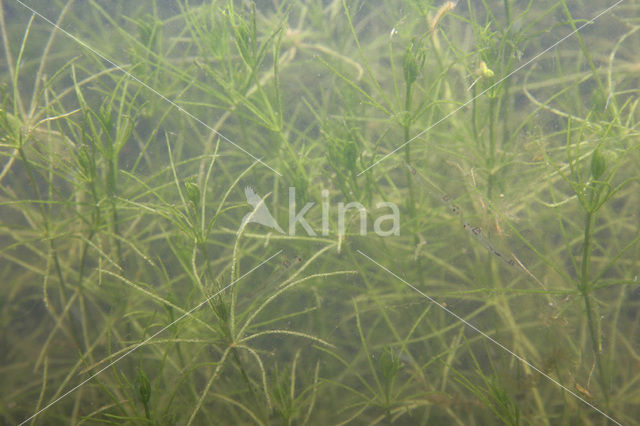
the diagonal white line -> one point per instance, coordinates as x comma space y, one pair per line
145, 341
492, 340
527, 63
145, 85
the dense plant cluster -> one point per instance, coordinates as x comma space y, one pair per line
137, 138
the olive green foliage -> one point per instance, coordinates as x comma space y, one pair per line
132, 291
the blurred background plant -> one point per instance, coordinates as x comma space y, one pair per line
124, 158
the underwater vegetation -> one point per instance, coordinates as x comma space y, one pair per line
319, 212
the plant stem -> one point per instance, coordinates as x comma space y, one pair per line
585, 289
492, 146
407, 150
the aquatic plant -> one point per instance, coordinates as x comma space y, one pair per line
141, 285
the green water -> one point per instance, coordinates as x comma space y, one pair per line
319, 212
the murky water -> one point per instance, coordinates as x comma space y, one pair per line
319, 212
